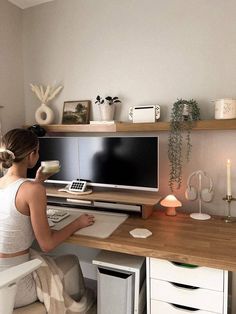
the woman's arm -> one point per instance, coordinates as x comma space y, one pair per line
48, 239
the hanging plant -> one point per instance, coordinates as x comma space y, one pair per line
183, 113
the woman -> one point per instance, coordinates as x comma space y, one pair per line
23, 210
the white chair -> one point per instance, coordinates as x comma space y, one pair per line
9, 279
8, 284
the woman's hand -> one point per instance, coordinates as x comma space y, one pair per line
40, 176
85, 220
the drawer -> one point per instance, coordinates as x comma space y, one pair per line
203, 277
159, 307
202, 299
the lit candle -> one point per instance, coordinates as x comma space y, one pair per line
229, 177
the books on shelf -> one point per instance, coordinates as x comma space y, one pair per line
102, 122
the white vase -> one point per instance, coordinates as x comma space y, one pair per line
107, 111
44, 115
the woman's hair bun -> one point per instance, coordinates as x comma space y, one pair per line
6, 157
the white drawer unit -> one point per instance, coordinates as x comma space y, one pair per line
203, 277
202, 299
168, 308
177, 288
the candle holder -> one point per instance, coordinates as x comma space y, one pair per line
229, 199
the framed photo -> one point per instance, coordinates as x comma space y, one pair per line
76, 112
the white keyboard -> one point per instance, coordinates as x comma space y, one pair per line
56, 215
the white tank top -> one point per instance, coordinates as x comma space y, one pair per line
16, 233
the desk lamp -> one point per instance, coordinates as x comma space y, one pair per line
171, 202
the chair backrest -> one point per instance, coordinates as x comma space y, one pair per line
8, 283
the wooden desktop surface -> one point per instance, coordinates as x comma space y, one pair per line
209, 243
180, 238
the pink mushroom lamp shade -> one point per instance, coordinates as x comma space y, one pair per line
170, 202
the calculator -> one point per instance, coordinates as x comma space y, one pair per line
77, 186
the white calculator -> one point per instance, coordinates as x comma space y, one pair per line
77, 186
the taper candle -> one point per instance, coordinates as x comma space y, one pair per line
229, 192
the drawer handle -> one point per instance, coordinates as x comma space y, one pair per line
184, 265
186, 308
182, 286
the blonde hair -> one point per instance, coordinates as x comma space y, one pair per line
16, 145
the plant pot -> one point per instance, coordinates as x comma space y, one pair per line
107, 111
44, 115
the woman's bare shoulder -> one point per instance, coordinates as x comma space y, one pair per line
33, 186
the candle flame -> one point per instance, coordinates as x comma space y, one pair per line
228, 162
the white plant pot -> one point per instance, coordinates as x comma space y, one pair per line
44, 115
107, 111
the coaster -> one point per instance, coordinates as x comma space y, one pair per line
140, 233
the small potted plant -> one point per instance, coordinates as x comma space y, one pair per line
107, 107
183, 115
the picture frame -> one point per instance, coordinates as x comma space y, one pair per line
76, 112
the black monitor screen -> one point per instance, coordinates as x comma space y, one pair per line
64, 149
120, 162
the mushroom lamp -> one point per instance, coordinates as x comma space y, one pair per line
171, 202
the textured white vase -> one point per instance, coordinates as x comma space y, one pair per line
107, 111
44, 115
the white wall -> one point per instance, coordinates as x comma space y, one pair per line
11, 66
146, 52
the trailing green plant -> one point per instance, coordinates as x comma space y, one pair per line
110, 100
183, 114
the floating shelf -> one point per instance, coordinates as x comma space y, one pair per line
137, 127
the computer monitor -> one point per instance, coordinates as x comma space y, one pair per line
64, 149
128, 162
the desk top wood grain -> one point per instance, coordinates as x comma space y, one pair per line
209, 243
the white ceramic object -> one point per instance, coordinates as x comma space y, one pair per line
140, 233
107, 111
44, 115
225, 108
200, 216
50, 166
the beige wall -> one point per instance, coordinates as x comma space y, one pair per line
11, 66
146, 52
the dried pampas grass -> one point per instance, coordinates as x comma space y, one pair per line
45, 94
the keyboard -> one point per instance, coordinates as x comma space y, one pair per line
56, 215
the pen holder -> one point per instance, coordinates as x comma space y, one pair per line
229, 199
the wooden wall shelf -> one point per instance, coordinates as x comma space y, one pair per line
137, 127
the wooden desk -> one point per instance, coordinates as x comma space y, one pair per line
209, 243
